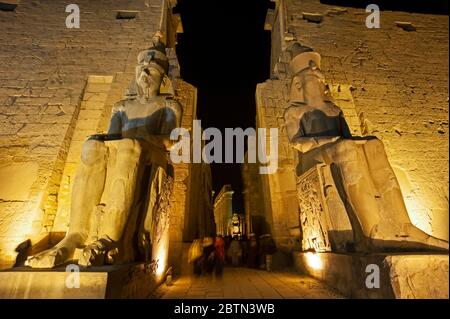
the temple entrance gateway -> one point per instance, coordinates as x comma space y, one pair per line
289, 190
105, 217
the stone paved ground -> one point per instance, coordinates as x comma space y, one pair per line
244, 283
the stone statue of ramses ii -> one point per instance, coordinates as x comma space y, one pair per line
361, 207
122, 185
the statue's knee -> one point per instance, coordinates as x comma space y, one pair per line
345, 145
375, 148
128, 145
346, 153
375, 143
93, 151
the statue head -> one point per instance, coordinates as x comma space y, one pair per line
157, 38
152, 67
308, 83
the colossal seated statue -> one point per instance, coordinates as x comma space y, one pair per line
117, 170
360, 206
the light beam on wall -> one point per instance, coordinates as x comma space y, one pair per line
314, 261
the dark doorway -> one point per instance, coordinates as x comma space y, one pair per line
225, 51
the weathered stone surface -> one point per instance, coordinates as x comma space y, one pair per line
18, 178
396, 77
127, 281
419, 276
199, 215
407, 26
44, 71
356, 168
253, 199
423, 276
122, 188
223, 210
312, 17
363, 81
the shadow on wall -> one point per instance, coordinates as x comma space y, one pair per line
259, 225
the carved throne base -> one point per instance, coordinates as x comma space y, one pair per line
323, 218
125, 281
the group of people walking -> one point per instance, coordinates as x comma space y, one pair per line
209, 255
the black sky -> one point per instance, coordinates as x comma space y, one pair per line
224, 52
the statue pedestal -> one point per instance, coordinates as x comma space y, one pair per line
124, 281
405, 275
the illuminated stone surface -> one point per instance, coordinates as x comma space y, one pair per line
41, 112
123, 185
362, 74
388, 82
223, 210
20, 177
130, 281
406, 110
348, 193
401, 275
78, 76
244, 283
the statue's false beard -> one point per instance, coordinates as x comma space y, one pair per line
144, 83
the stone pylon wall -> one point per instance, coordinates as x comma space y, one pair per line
253, 199
47, 84
390, 83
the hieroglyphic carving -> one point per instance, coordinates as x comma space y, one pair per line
313, 217
161, 211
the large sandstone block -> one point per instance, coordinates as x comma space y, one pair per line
402, 276
20, 177
126, 281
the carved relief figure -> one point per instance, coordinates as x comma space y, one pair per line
112, 180
360, 171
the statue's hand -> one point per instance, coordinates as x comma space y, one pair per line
305, 144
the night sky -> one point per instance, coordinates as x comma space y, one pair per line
225, 51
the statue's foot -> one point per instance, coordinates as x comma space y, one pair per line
409, 237
49, 258
418, 235
96, 253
